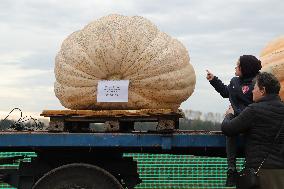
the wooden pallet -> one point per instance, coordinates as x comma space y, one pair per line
114, 120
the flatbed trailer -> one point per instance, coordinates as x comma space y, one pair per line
92, 159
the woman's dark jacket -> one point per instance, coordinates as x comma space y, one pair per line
260, 122
239, 92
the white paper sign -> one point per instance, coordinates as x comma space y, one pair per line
112, 91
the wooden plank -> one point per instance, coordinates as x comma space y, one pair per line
165, 125
56, 126
112, 113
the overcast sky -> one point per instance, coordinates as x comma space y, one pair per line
215, 32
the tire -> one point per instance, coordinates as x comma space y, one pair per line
78, 176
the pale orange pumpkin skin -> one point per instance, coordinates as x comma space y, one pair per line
272, 60
119, 47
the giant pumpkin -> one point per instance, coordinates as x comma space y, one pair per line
272, 60
119, 47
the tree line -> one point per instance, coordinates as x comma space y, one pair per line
196, 120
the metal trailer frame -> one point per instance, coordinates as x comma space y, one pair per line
165, 141
104, 150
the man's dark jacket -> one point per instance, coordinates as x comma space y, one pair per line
239, 96
260, 122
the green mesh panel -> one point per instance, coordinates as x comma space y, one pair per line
164, 171
28, 157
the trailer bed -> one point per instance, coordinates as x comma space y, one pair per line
178, 142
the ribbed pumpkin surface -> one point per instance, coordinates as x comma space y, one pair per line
119, 47
272, 60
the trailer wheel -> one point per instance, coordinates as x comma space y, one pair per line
78, 176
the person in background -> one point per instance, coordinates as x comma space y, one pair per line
260, 123
239, 92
